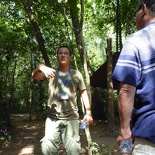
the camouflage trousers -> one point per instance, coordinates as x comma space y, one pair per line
61, 131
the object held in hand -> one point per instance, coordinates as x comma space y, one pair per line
83, 125
126, 146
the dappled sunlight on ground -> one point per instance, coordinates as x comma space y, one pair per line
27, 150
26, 137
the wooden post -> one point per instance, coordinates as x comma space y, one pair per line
110, 86
87, 131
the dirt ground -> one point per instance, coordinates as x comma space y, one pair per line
26, 137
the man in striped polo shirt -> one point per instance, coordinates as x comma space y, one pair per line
135, 70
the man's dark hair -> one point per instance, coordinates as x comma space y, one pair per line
150, 4
65, 46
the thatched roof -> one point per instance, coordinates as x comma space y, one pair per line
99, 77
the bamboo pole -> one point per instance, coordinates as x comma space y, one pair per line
87, 131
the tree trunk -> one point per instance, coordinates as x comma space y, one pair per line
37, 32
5, 122
12, 87
77, 27
110, 87
118, 29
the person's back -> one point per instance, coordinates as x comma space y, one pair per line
135, 70
141, 60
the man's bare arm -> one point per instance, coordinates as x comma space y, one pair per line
43, 73
87, 105
125, 106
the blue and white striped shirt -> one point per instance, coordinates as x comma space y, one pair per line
136, 66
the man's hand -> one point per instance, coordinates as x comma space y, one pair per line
124, 136
88, 118
125, 145
48, 72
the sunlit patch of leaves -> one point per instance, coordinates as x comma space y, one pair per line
101, 150
95, 148
4, 141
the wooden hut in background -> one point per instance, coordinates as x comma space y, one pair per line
99, 77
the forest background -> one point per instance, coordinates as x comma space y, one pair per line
31, 31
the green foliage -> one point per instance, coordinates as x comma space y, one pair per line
2, 141
94, 148
127, 16
106, 150
100, 150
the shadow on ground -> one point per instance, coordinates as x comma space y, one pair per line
26, 137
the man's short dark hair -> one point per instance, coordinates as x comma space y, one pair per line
150, 4
65, 46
